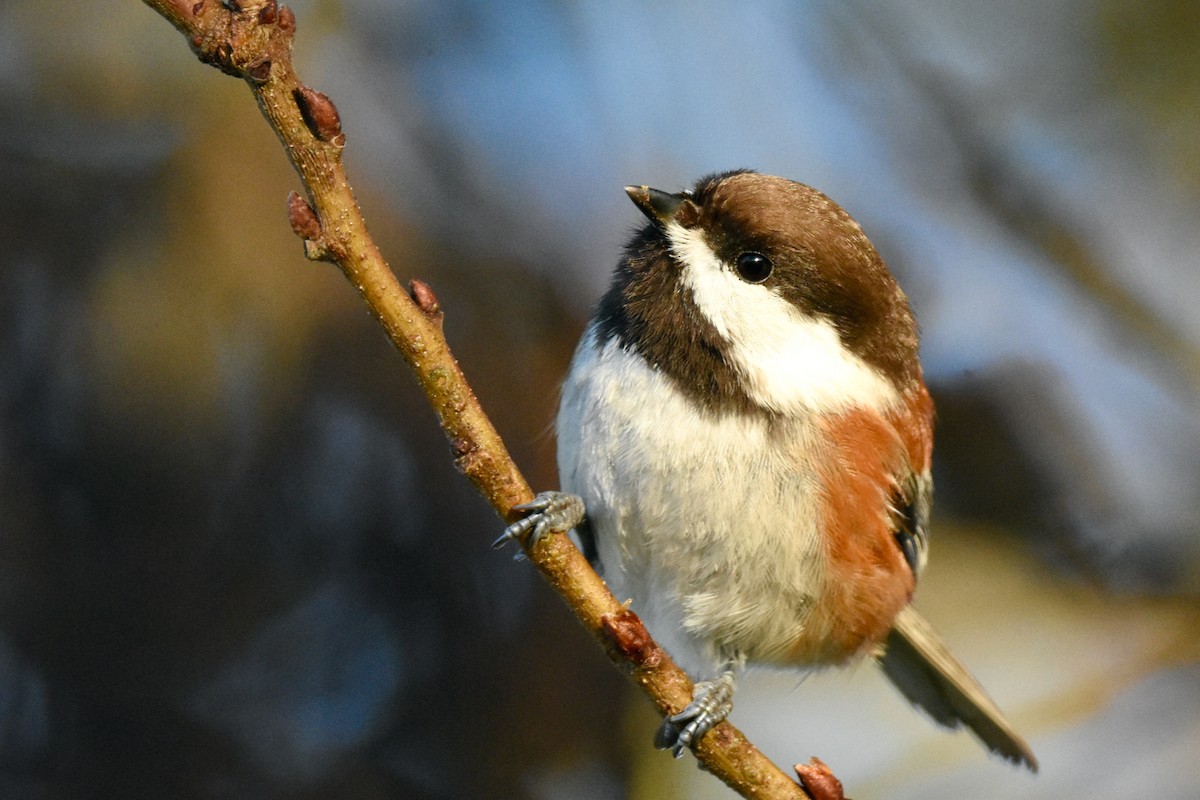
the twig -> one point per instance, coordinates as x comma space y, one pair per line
252, 39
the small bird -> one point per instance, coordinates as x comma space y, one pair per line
744, 449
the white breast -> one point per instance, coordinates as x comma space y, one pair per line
706, 522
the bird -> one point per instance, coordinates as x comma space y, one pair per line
744, 442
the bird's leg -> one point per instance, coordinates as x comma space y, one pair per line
548, 512
711, 702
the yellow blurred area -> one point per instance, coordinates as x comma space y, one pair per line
79, 55
978, 571
1155, 66
222, 286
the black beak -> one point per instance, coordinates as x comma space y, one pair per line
659, 207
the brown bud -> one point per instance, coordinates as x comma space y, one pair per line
819, 781
423, 296
302, 218
628, 635
287, 19
197, 8
319, 112
260, 71
268, 13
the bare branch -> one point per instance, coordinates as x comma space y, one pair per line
252, 39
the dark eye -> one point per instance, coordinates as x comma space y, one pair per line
754, 267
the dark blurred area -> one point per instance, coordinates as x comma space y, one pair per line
235, 558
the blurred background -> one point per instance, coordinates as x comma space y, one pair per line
235, 559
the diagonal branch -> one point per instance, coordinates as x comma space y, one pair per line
252, 40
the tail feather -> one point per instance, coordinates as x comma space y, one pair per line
925, 672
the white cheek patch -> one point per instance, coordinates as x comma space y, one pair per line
790, 362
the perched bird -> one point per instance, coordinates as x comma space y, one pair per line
744, 447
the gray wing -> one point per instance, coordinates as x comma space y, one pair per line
925, 672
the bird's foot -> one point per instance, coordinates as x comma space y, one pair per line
711, 702
546, 513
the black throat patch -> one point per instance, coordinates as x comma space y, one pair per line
648, 310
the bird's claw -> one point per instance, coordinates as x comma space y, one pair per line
546, 513
711, 703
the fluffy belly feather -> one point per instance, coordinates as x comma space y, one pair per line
719, 510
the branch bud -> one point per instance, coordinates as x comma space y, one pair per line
320, 114
268, 13
302, 218
819, 781
287, 19
423, 296
629, 636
